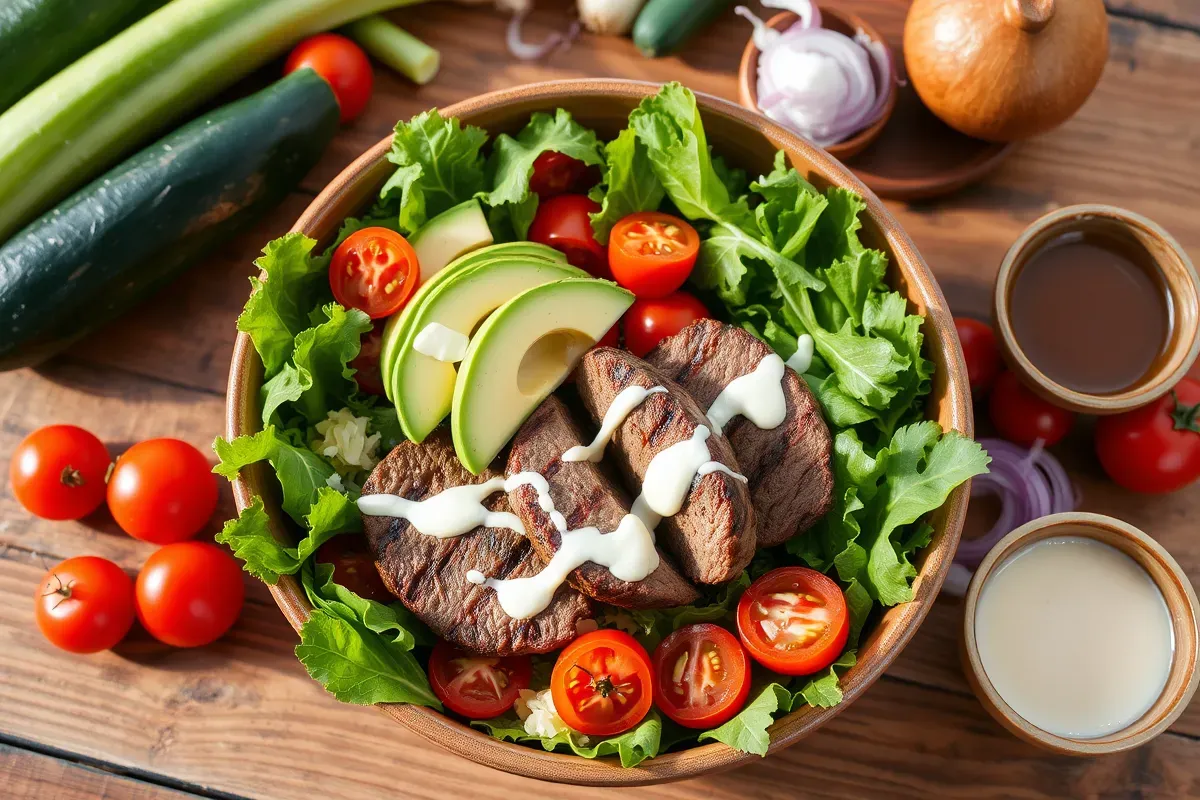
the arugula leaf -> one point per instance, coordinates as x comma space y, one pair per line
633, 747
250, 538
629, 184
439, 164
301, 472
510, 166
748, 730
278, 306
357, 665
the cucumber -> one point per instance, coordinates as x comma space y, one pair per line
40, 37
664, 25
135, 228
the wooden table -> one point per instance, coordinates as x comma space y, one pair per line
241, 718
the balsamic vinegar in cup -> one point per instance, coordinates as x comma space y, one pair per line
1091, 310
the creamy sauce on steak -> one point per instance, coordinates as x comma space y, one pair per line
757, 396
670, 474
622, 406
450, 513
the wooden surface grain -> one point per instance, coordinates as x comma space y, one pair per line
241, 719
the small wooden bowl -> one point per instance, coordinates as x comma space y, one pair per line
748, 140
1177, 272
835, 20
1181, 602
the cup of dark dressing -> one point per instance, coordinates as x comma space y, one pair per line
1098, 309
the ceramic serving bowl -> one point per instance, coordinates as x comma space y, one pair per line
836, 20
1180, 598
1177, 274
743, 138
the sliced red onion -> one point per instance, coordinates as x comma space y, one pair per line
809, 14
1029, 483
531, 52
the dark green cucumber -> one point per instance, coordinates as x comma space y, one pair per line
135, 228
40, 37
664, 25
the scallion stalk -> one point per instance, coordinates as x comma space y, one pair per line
396, 47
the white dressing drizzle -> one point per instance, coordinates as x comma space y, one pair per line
758, 396
545, 502
670, 474
444, 344
449, 513
622, 406
801, 360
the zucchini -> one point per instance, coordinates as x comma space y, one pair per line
664, 25
115, 98
40, 37
137, 227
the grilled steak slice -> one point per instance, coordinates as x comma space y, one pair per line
713, 535
586, 497
429, 574
791, 481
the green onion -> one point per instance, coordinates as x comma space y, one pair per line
108, 102
396, 47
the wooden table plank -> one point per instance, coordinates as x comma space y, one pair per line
31, 776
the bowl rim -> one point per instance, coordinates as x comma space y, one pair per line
242, 416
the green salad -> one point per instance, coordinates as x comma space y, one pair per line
776, 257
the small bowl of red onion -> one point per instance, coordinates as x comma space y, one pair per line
824, 73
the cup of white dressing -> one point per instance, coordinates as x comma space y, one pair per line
1080, 635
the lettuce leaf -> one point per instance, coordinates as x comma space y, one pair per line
439, 164
628, 185
656, 624
633, 747
301, 472
748, 730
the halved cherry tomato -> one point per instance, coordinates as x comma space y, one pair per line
366, 362
793, 620
648, 322
1023, 417
478, 687
342, 64
651, 254
375, 270
980, 352
701, 676
555, 174
562, 222
162, 491
354, 566
85, 605
602, 683
58, 472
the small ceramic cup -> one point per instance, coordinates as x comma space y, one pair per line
1177, 273
1181, 602
835, 20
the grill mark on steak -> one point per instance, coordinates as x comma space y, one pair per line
429, 575
789, 467
586, 497
713, 535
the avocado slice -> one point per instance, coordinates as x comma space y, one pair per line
521, 354
457, 230
395, 331
423, 387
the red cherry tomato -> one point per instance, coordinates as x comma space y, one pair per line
701, 676
555, 174
562, 222
354, 567
602, 683
1155, 448
652, 254
980, 352
478, 687
367, 376
58, 472
85, 605
1022, 417
612, 338
342, 64
648, 322
793, 620
189, 593
162, 491
375, 270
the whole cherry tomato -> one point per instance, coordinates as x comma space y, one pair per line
478, 687
980, 352
189, 593
602, 683
374, 270
342, 64
555, 173
648, 322
1022, 417
58, 472
354, 567
85, 605
793, 620
563, 223
652, 254
1155, 448
162, 491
